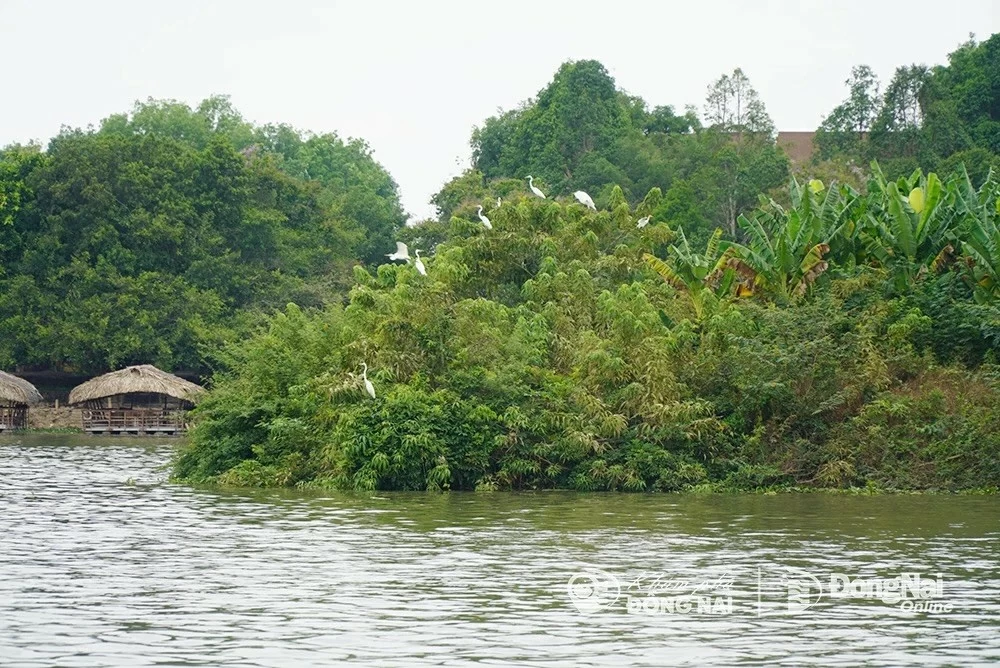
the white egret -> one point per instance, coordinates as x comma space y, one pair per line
498, 202
402, 252
486, 221
534, 190
642, 222
584, 199
369, 388
419, 264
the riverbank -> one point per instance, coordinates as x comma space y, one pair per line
806, 398
48, 418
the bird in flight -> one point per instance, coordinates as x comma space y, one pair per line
402, 252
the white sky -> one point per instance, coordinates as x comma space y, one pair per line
413, 78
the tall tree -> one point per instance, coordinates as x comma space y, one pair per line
733, 105
896, 130
962, 100
901, 108
934, 118
579, 113
734, 108
846, 128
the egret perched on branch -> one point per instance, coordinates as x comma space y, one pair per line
534, 190
369, 388
418, 263
642, 222
584, 199
402, 252
486, 221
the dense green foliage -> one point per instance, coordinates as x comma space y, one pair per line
935, 118
580, 132
842, 331
159, 235
849, 340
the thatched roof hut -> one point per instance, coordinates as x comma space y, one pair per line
137, 399
17, 391
141, 379
16, 394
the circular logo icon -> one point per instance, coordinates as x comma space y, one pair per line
592, 590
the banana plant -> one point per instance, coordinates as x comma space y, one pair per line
825, 211
835, 214
788, 250
911, 225
785, 250
980, 234
697, 274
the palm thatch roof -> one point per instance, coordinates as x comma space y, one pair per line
144, 378
17, 390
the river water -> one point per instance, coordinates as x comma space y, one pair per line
104, 563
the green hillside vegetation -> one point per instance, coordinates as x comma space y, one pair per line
166, 232
848, 340
931, 117
581, 133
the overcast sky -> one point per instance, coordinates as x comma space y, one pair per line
413, 78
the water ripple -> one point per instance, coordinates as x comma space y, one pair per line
103, 563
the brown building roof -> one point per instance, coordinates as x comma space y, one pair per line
799, 146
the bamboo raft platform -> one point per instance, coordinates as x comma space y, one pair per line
135, 421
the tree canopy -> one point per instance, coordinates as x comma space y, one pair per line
849, 341
582, 133
713, 324
931, 117
159, 235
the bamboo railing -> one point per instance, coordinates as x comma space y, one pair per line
138, 420
13, 417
